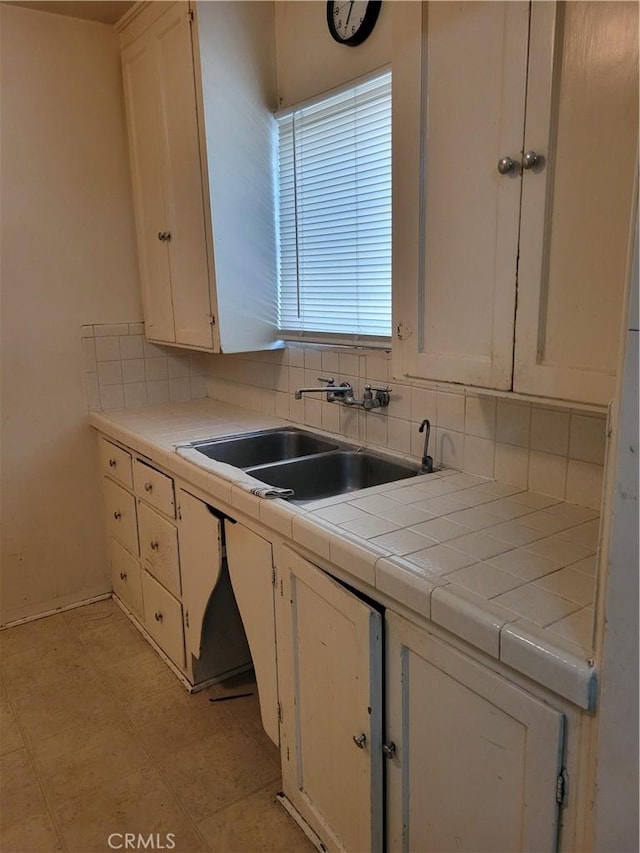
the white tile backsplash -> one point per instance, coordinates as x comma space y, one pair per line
123, 370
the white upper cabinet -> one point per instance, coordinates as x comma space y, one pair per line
509, 271
199, 91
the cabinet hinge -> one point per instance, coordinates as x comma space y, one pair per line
186, 618
562, 788
279, 711
212, 319
190, 14
273, 576
281, 589
179, 512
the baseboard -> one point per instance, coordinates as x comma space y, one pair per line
55, 610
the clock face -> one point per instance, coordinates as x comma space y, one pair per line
350, 22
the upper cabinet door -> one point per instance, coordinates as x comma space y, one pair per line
459, 101
582, 116
149, 172
190, 279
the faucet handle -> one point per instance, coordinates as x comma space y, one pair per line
328, 379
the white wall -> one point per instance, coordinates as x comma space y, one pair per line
311, 62
68, 259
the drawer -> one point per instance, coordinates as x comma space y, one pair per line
126, 577
163, 618
115, 462
120, 508
159, 547
155, 488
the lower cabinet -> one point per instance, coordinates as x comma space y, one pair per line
330, 681
250, 562
167, 568
446, 756
475, 758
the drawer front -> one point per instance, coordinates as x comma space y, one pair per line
163, 618
120, 508
155, 488
126, 577
115, 462
159, 548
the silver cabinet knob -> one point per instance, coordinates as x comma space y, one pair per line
506, 165
112, 463
154, 545
117, 515
164, 236
148, 487
123, 576
530, 159
360, 740
389, 749
158, 616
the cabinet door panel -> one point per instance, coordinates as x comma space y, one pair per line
329, 674
476, 759
125, 576
149, 171
185, 204
120, 509
163, 618
200, 564
582, 115
159, 547
250, 564
155, 488
115, 462
472, 96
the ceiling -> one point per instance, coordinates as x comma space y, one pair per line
105, 11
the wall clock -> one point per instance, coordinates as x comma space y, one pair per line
350, 22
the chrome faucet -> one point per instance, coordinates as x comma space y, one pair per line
343, 393
427, 461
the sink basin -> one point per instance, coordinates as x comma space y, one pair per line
331, 474
261, 448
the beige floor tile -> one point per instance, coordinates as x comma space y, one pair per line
219, 771
33, 669
143, 674
37, 636
109, 639
70, 767
20, 794
10, 735
256, 824
56, 708
35, 835
92, 614
246, 710
175, 719
139, 803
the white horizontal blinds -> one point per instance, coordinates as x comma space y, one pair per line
335, 214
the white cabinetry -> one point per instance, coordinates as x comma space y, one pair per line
250, 562
476, 758
330, 681
167, 568
513, 281
471, 761
199, 93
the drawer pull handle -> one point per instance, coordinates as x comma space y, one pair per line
148, 487
117, 515
123, 576
154, 545
360, 740
112, 463
158, 616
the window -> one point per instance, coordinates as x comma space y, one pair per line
335, 216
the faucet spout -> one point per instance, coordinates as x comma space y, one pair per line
343, 392
427, 461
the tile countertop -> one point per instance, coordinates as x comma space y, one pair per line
509, 571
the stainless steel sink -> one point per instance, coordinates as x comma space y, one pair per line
261, 448
334, 473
